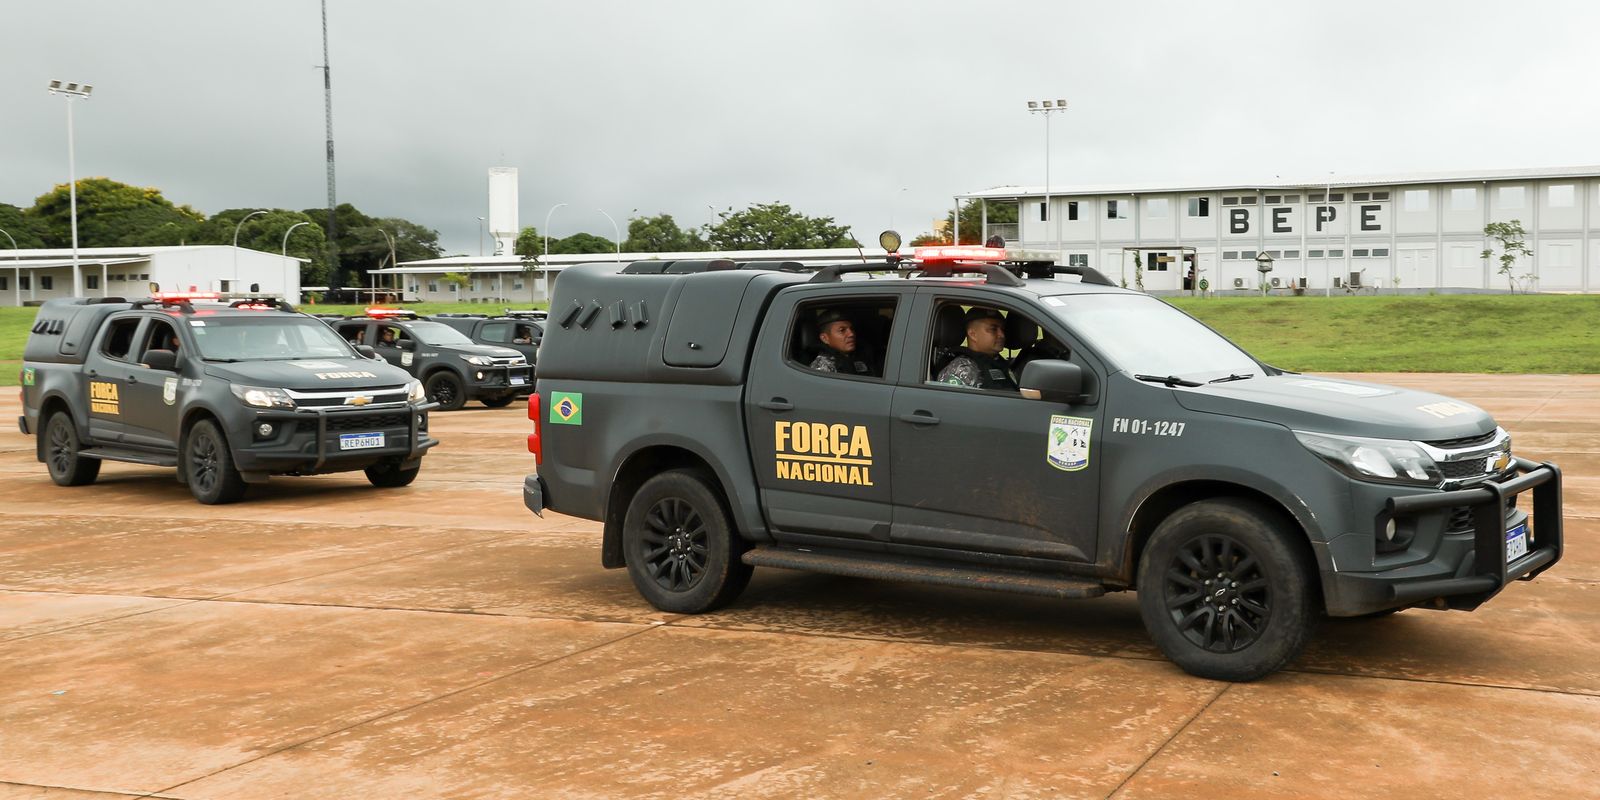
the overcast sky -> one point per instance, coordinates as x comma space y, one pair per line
871, 112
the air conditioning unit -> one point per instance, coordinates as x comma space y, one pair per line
1238, 283
1337, 282
1276, 282
1302, 283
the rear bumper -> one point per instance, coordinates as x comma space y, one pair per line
1470, 568
22, 425
533, 494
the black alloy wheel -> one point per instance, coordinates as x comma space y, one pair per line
208, 465
446, 389
1216, 593
675, 544
61, 446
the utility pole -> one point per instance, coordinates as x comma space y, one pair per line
336, 276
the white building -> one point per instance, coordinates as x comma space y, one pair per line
1420, 231
509, 279
29, 277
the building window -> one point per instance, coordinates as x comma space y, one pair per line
1199, 206
1361, 197
1230, 255
1156, 207
1247, 201
1291, 254
1464, 198
1115, 210
1273, 199
433, 287
1314, 254
1336, 197
47, 282
4, 285
1291, 198
1044, 211
1078, 260
1380, 252
516, 285
1247, 255
24, 283
1380, 195
1509, 197
1230, 201
1360, 253
144, 277
1072, 211
1335, 254
91, 281
1416, 199
1561, 195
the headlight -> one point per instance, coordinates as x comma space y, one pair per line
482, 361
1377, 460
414, 392
262, 397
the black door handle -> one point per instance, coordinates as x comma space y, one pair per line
920, 418
776, 404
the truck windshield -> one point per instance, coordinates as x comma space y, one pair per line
267, 339
1143, 335
437, 333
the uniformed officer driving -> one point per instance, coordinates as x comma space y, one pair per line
979, 364
838, 337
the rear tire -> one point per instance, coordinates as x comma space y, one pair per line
682, 552
498, 402
61, 448
445, 388
387, 474
208, 464
1228, 590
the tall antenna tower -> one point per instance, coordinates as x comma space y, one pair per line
335, 277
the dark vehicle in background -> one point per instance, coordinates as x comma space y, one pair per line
453, 368
228, 394
521, 331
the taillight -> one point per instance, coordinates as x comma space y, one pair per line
535, 443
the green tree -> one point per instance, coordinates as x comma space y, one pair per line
110, 214
22, 227
658, 234
1510, 236
529, 243
971, 223
581, 244
776, 226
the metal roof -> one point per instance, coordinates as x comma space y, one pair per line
45, 263
1306, 184
98, 254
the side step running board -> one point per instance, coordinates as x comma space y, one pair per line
895, 568
130, 456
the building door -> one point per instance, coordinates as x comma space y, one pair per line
1416, 270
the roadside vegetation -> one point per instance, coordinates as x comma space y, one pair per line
1525, 333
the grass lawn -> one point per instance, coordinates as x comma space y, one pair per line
1441, 333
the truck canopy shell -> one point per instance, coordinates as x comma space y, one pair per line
65, 326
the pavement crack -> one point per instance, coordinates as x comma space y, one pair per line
413, 706
1170, 739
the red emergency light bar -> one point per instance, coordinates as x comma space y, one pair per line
390, 312
936, 254
177, 296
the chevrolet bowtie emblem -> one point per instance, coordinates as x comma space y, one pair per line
1500, 462
358, 400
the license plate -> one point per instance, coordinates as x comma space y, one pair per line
1516, 542
518, 380
360, 441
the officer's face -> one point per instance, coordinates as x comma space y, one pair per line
840, 336
986, 337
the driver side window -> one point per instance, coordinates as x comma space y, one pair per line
985, 347
160, 336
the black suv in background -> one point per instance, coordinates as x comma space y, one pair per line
453, 369
521, 331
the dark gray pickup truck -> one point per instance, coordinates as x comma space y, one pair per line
996, 422
230, 394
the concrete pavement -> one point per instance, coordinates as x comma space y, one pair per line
326, 639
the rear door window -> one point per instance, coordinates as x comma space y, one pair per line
118, 341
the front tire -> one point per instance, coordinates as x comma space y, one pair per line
1228, 590
61, 448
445, 388
213, 479
682, 552
387, 474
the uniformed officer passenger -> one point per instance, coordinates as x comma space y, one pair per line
979, 364
838, 337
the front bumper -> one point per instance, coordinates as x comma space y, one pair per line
306, 440
1469, 568
498, 380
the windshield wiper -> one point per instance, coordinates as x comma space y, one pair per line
1231, 377
1169, 380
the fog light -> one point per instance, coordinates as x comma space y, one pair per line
264, 430
1388, 531
480, 376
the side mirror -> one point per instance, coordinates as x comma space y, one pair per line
164, 360
406, 344
366, 350
1052, 380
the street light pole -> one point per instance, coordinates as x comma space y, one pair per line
615, 231
236, 239
285, 249
73, 91
284, 252
547, 228
1046, 108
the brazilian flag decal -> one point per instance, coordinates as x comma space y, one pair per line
566, 408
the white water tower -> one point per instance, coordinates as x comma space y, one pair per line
503, 217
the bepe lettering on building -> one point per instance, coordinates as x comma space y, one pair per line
1325, 219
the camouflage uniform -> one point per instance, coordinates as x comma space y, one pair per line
977, 371
831, 360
